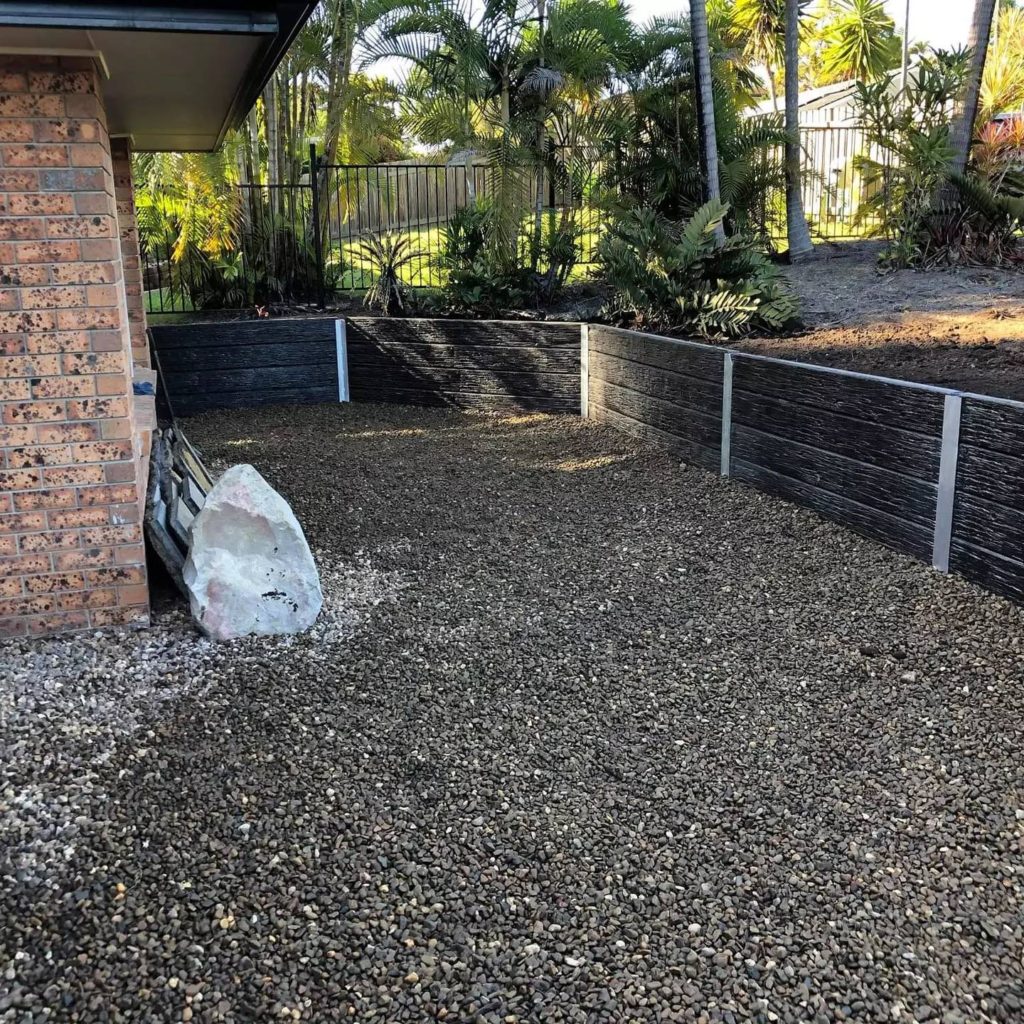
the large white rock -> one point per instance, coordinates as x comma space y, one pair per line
249, 568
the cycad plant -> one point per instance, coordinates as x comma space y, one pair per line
389, 256
670, 276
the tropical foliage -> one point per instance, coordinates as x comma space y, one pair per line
1002, 85
387, 256
856, 39
574, 99
928, 215
676, 276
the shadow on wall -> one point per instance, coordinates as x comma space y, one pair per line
492, 366
466, 364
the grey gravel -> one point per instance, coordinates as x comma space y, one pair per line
586, 736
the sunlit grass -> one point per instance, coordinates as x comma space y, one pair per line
351, 270
356, 271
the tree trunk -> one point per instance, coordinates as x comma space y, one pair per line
705, 104
287, 131
339, 70
271, 126
963, 126
506, 100
255, 165
302, 127
283, 135
538, 207
800, 245
337, 80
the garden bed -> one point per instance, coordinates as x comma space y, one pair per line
583, 735
960, 328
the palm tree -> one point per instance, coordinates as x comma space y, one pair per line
963, 125
705, 104
760, 28
1002, 87
800, 245
860, 42
500, 80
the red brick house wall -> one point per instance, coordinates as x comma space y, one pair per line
131, 264
71, 551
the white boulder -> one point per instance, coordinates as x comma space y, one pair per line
249, 568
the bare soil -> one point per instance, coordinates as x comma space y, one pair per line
961, 328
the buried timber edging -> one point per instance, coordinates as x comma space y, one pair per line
928, 471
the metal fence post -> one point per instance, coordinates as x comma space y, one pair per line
726, 455
314, 176
584, 371
341, 347
946, 495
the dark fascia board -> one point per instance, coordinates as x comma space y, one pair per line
292, 15
276, 22
139, 17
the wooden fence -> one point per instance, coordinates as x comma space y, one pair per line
927, 471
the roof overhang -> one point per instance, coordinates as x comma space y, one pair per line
176, 77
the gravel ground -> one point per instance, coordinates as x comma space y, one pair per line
585, 735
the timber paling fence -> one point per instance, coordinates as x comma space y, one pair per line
931, 472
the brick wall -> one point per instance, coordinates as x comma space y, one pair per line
71, 551
131, 264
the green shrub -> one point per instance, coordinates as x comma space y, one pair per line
473, 280
671, 276
909, 135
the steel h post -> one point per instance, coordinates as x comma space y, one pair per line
314, 181
945, 499
725, 461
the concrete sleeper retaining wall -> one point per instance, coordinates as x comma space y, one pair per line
932, 472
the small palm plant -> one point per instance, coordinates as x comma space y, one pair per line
388, 256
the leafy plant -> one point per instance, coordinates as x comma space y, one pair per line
669, 275
1002, 85
909, 132
978, 226
860, 41
388, 255
649, 147
474, 280
561, 251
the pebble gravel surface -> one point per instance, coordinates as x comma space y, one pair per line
584, 735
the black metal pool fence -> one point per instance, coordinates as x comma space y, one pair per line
302, 243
